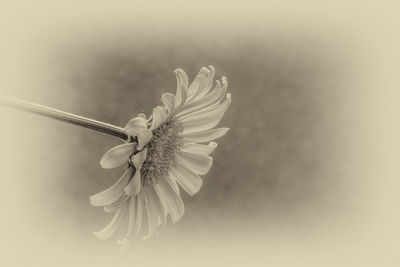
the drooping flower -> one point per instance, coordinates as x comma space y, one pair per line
169, 150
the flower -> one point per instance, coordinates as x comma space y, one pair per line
163, 152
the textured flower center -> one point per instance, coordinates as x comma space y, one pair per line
161, 151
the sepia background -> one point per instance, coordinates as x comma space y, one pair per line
305, 176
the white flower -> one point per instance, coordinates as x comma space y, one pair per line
165, 151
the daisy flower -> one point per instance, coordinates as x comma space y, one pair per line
167, 151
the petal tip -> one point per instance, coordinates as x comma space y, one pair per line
224, 81
179, 71
213, 144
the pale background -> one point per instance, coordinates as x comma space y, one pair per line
305, 177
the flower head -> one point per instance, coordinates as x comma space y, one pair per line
168, 150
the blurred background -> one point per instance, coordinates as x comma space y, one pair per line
303, 178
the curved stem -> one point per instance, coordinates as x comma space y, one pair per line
64, 116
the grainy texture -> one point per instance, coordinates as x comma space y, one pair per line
301, 179
272, 165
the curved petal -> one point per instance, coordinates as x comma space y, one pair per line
151, 214
187, 179
210, 79
199, 163
204, 119
159, 116
217, 105
136, 123
172, 202
205, 84
200, 148
114, 206
132, 215
198, 85
204, 136
224, 82
169, 102
139, 214
154, 213
113, 193
144, 136
172, 182
138, 127
134, 186
210, 99
117, 156
113, 226
181, 87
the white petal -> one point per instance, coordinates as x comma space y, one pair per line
216, 105
136, 123
204, 119
205, 136
172, 182
172, 203
169, 102
211, 99
134, 186
151, 216
114, 206
132, 215
144, 136
113, 193
181, 88
198, 85
187, 179
138, 127
162, 220
139, 213
159, 116
200, 148
154, 214
112, 227
205, 85
139, 158
117, 156
199, 163
210, 78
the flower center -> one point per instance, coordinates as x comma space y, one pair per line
161, 150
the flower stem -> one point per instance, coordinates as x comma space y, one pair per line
64, 116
